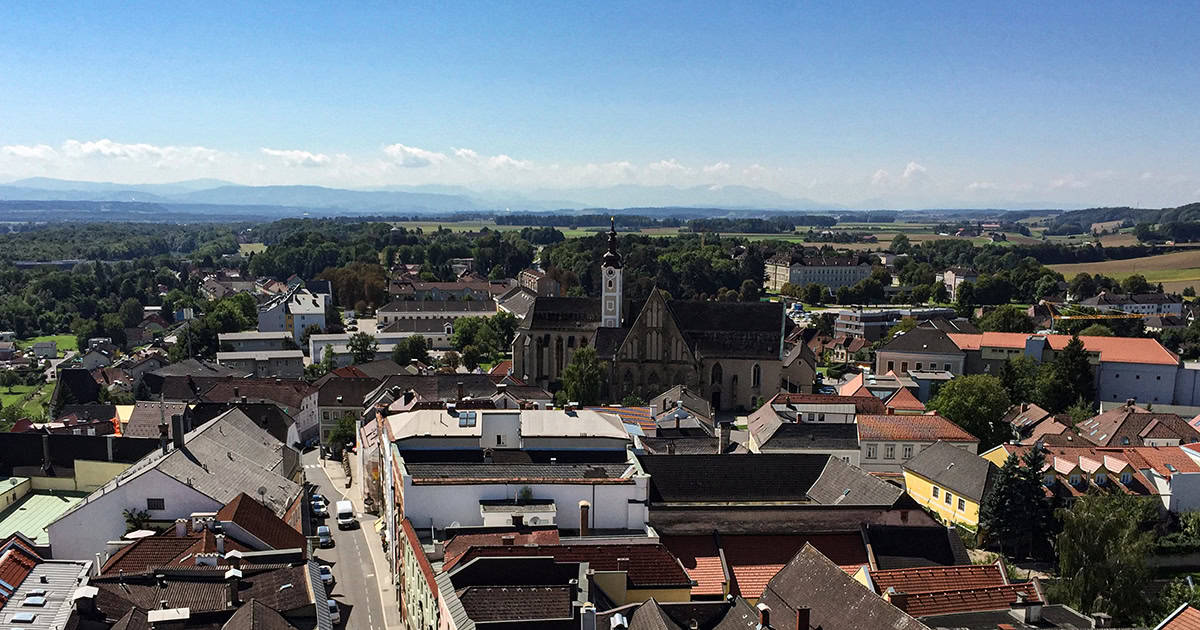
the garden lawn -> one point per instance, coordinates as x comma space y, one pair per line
65, 342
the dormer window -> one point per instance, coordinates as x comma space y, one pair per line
1074, 480
1101, 479
1048, 480
1126, 478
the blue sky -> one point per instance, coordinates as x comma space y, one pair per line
874, 103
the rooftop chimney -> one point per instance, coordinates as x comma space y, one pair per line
1130, 401
236, 393
764, 616
1101, 620
618, 622
622, 564
163, 437
587, 617
898, 599
802, 618
460, 390
1027, 611
220, 538
891, 411
584, 510
508, 540
408, 396
671, 446
177, 430
233, 577
726, 436
181, 527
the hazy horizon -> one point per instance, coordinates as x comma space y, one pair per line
864, 106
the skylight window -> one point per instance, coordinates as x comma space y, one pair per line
34, 600
466, 418
23, 617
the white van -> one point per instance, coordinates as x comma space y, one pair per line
345, 515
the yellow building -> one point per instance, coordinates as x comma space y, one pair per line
950, 481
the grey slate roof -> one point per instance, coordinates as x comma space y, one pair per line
955, 468
807, 435
843, 484
922, 340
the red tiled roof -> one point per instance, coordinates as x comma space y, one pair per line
926, 579
1187, 619
650, 565
502, 367
410, 535
700, 559
261, 523
754, 560
904, 400
1111, 349
911, 427
17, 561
462, 543
967, 600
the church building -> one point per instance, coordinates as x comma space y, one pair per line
733, 352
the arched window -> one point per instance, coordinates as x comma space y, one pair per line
756, 376
717, 376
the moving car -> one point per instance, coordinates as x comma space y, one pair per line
324, 536
345, 515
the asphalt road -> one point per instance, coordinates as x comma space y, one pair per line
355, 586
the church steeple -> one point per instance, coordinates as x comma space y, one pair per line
612, 258
611, 289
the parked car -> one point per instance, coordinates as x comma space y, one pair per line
317, 497
335, 613
324, 536
327, 575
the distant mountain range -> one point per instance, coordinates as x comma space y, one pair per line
405, 199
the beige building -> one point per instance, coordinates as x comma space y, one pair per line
732, 352
832, 273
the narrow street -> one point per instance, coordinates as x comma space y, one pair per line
356, 586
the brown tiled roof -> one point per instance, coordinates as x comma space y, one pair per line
1132, 425
967, 600
17, 561
286, 393
203, 589
926, 579
1110, 349
255, 615
165, 550
460, 544
650, 565
835, 600
516, 603
911, 427
261, 523
147, 415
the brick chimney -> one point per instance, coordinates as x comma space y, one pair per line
802, 618
508, 540
726, 437
897, 599
764, 616
460, 390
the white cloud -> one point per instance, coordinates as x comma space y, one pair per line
30, 152
719, 167
975, 186
880, 178
296, 157
1068, 182
412, 157
160, 156
671, 165
913, 170
497, 162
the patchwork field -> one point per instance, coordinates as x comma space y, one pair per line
1175, 271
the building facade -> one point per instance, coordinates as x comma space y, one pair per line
832, 273
732, 352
